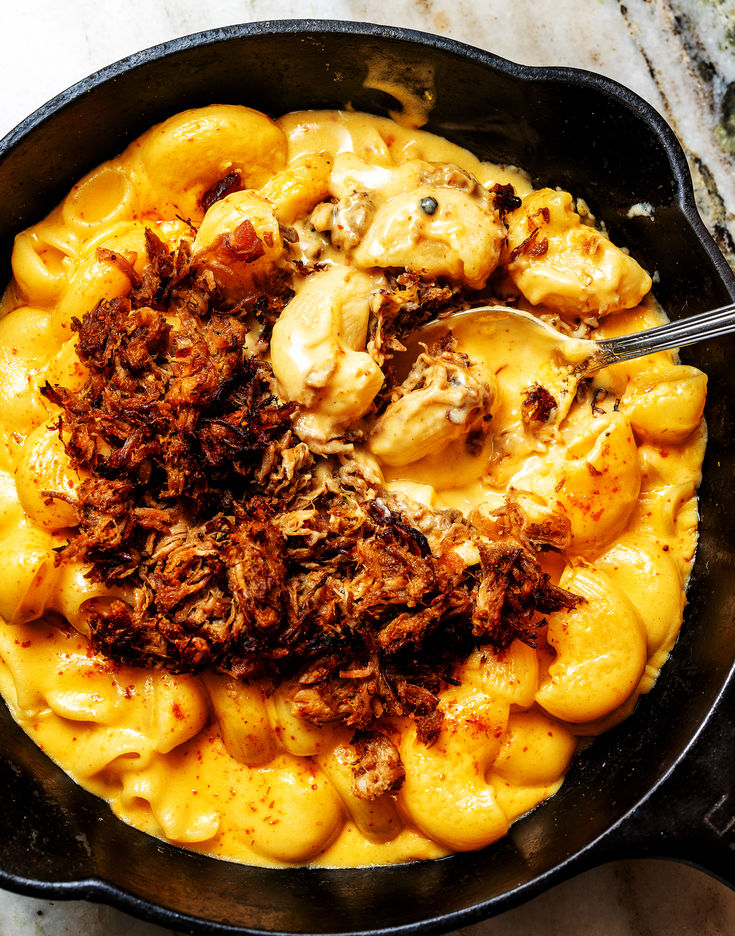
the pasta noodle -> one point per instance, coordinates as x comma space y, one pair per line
466, 814
305, 253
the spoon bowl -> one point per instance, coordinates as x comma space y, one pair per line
551, 359
586, 356
495, 335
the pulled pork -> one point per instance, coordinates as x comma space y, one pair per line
233, 548
409, 302
378, 768
537, 405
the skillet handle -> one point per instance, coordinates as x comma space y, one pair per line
690, 817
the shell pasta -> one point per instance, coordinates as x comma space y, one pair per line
285, 576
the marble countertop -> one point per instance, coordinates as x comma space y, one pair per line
677, 54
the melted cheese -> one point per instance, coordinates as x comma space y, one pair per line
215, 766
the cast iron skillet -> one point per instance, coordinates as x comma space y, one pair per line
661, 784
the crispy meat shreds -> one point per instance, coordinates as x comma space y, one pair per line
199, 593
526, 520
161, 272
123, 261
378, 768
537, 405
230, 547
230, 183
532, 246
243, 244
504, 199
178, 411
175, 419
512, 591
410, 301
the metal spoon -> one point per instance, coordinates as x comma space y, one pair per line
554, 360
589, 356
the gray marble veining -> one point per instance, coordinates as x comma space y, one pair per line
689, 49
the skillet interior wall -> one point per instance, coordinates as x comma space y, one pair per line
564, 134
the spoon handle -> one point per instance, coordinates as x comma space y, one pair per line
677, 334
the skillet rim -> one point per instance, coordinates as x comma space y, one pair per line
101, 889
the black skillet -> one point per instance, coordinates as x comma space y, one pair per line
663, 783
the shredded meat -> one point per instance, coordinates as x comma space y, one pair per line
378, 768
243, 243
532, 246
550, 530
505, 199
442, 399
537, 405
351, 218
512, 592
124, 263
232, 546
409, 302
226, 186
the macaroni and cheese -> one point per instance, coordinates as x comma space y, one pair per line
285, 576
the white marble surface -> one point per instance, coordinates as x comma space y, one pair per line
679, 55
